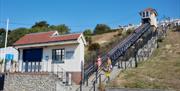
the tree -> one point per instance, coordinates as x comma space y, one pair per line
2, 36
101, 28
16, 34
88, 39
41, 24
87, 32
94, 47
129, 31
62, 29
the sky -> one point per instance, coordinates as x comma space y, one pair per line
82, 14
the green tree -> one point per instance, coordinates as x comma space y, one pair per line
62, 29
94, 47
2, 36
16, 34
38, 29
41, 24
101, 28
87, 32
129, 31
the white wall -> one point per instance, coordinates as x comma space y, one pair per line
72, 65
152, 16
9, 50
153, 19
69, 65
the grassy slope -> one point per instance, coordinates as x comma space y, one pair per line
161, 71
103, 38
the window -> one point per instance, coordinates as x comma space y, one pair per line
58, 55
147, 14
143, 14
69, 54
176, 24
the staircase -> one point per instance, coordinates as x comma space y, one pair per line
141, 53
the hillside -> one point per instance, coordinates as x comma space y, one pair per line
161, 71
103, 38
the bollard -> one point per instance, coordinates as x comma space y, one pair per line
81, 85
118, 65
94, 86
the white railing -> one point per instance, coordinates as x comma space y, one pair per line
32, 66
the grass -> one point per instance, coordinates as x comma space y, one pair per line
161, 71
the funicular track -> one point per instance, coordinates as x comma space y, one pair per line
118, 50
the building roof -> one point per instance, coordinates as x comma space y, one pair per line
45, 37
152, 10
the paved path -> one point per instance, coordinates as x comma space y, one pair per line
135, 89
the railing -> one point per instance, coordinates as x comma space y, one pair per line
61, 73
32, 66
117, 51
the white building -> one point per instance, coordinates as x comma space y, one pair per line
149, 15
51, 52
175, 22
11, 55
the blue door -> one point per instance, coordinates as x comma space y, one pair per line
32, 55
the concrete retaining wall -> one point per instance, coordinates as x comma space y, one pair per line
30, 82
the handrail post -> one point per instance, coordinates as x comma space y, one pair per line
100, 85
96, 76
87, 81
94, 86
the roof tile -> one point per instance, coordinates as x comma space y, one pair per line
45, 37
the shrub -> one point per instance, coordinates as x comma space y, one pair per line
119, 32
94, 47
88, 39
129, 31
101, 28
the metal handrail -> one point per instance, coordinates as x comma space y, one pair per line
122, 46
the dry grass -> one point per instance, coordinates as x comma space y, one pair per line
161, 71
104, 38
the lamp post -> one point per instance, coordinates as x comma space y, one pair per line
5, 45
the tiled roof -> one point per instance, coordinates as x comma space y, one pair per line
151, 9
45, 37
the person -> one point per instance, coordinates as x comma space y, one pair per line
98, 62
109, 63
108, 68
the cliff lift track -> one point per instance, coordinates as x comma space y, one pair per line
119, 49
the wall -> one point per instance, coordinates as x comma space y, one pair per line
9, 50
72, 65
153, 20
30, 82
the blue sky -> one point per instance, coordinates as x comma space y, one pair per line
82, 14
